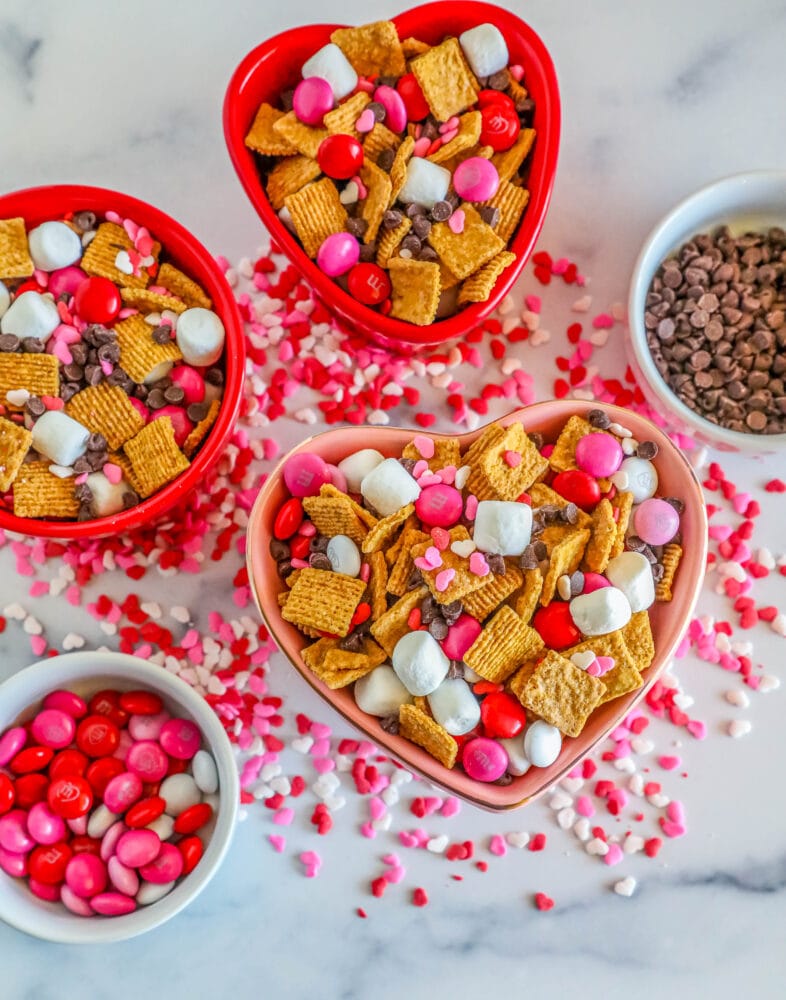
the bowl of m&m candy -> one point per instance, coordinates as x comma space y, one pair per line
118, 797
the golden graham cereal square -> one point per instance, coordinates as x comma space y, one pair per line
603, 533
335, 516
39, 493
480, 285
15, 441
463, 582
416, 726
324, 600
487, 438
38, 373
415, 290
377, 585
526, 600
146, 301
106, 409
372, 49
185, 288
101, 256
637, 635
390, 240
301, 138
445, 79
398, 169
446, 453
503, 645
511, 200
316, 213
155, 457
140, 354
385, 529
466, 138
392, 625
495, 474
370, 656
401, 569
564, 559
480, 603
392, 551
342, 119
564, 455
624, 676
288, 176
467, 251
379, 138
263, 138
561, 693
509, 162
623, 503
374, 205
672, 554
366, 517
542, 496
15, 259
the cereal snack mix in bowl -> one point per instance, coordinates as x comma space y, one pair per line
118, 797
121, 362
486, 607
405, 166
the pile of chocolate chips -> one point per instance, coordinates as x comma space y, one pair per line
715, 318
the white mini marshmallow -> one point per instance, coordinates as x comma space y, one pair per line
31, 315
484, 49
5, 299
518, 762
54, 245
631, 573
639, 476
542, 743
419, 662
344, 555
332, 65
604, 610
107, 496
59, 438
356, 467
426, 183
502, 527
454, 706
286, 217
389, 487
200, 336
381, 693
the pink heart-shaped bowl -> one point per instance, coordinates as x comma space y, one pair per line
275, 65
668, 621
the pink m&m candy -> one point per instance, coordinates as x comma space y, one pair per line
484, 759
461, 634
65, 280
475, 179
147, 727
305, 474
13, 832
68, 702
166, 867
112, 904
395, 109
11, 742
124, 879
122, 792
85, 875
13, 863
73, 903
312, 100
180, 738
51, 893
53, 728
44, 826
594, 581
338, 254
656, 521
147, 760
439, 506
599, 454
138, 847
190, 381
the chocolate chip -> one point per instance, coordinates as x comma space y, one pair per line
647, 450
82, 465
452, 612
438, 628
389, 724
504, 780
214, 376
456, 670
96, 442
357, 227
319, 543
279, 550
528, 559
9, 342
490, 215
496, 564
392, 219
94, 374
32, 345
161, 335
109, 353
441, 211
428, 253
352, 643
85, 221
414, 209
570, 513
368, 252
500, 80
421, 226
284, 568
385, 160
599, 418
411, 243
156, 399
35, 407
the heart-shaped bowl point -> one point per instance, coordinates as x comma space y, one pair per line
275, 65
668, 620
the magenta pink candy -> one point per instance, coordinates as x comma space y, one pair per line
655, 521
395, 109
68, 702
75, 903
166, 867
138, 847
594, 581
53, 728
44, 826
122, 792
484, 759
181, 424
312, 100
13, 832
11, 742
13, 863
439, 506
65, 280
599, 454
147, 727
305, 474
461, 634
190, 381
147, 760
180, 738
50, 893
124, 879
475, 179
338, 254
85, 875
338, 479
113, 904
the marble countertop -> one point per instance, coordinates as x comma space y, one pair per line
657, 100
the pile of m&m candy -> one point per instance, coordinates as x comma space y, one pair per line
106, 803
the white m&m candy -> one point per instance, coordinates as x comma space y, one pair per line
426, 183
631, 573
502, 527
59, 438
419, 662
389, 487
639, 476
542, 743
484, 49
344, 555
601, 611
332, 65
200, 336
31, 315
54, 245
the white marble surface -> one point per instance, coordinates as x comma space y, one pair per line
657, 100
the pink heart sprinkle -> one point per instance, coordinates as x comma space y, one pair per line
478, 564
277, 842
456, 221
594, 668
425, 445
323, 764
428, 479
407, 839
61, 352
448, 136
605, 663
444, 579
394, 874
441, 538
362, 189
366, 121
449, 125
513, 459
432, 557
377, 808
422, 146
368, 831
498, 846
448, 474
112, 472
451, 806
516, 71
419, 468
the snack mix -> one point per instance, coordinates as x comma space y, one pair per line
482, 603
401, 166
109, 367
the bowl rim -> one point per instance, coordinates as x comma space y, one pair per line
395, 331
170, 232
644, 268
78, 668
274, 623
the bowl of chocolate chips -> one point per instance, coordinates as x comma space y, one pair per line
707, 314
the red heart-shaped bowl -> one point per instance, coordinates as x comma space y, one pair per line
668, 621
275, 65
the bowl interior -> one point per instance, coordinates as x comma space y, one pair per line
87, 673
751, 201
275, 65
668, 620
37, 205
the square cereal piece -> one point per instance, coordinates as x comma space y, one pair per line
518, 681
106, 409
465, 252
15, 441
526, 600
185, 288
672, 554
123, 462
510, 201
508, 467
104, 252
313, 655
621, 679
155, 457
366, 517
301, 138
376, 592
15, 259
480, 603
480, 285
392, 551
543, 496
509, 162
323, 600
390, 240
263, 138
39, 374
487, 438
445, 79
379, 138
385, 529
372, 49
370, 656
326, 661
446, 453
200, 430
561, 693
639, 641
398, 169
316, 213
343, 118
564, 455
415, 290
39, 493
288, 176
412, 47
467, 138
146, 301
393, 624
416, 726
503, 645
516, 92
335, 516
401, 569
602, 534
463, 581
623, 505
374, 205
564, 559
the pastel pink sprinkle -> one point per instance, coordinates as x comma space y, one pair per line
424, 444
277, 842
513, 459
498, 846
422, 146
533, 303
444, 579
441, 538
614, 855
451, 806
471, 507
456, 221
478, 564
697, 729
366, 121
112, 472
283, 817
669, 763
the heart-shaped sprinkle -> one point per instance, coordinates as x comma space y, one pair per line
605, 663
478, 564
444, 579
513, 459
449, 125
362, 189
448, 474
17, 397
462, 475
539, 337
441, 538
471, 507
419, 468
428, 479
437, 845
456, 221
517, 838
463, 548
112, 472
349, 195
446, 138
366, 121
583, 659
422, 146
424, 444
516, 71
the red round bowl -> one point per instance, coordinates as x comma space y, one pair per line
36, 205
275, 65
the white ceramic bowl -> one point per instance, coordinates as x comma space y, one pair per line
86, 673
750, 201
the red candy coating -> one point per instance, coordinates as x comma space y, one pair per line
97, 736
108, 703
97, 300
70, 797
412, 96
7, 794
31, 788
192, 849
48, 863
340, 156
194, 818
502, 716
288, 519
101, 772
299, 547
85, 845
144, 812
555, 626
577, 487
69, 761
141, 702
500, 125
368, 283
31, 759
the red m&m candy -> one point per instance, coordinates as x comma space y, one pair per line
502, 716
577, 487
97, 736
70, 797
97, 300
340, 156
48, 863
555, 626
141, 702
500, 124
7, 793
31, 759
412, 96
369, 284
288, 519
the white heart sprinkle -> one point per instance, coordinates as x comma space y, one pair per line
462, 475
565, 818
464, 548
572, 785
598, 338
560, 800
738, 728
73, 641
583, 659
582, 305
302, 744
17, 397
123, 262
214, 686
563, 587
437, 845
625, 886
335, 802
738, 698
539, 337
582, 828
633, 844
597, 846
517, 839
